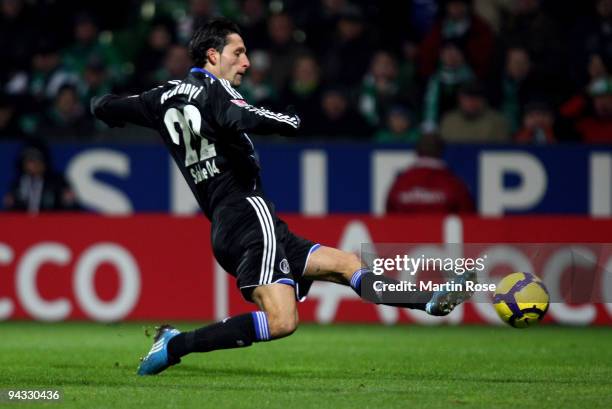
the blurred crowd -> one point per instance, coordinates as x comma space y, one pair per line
472, 71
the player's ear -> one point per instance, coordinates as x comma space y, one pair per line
212, 55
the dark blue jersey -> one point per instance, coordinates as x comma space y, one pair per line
204, 122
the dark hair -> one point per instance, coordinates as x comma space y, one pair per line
213, 34
34, 148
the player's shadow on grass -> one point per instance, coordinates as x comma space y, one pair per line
295, 374
202, 370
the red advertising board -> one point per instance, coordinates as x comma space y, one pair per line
160, 267
92, 267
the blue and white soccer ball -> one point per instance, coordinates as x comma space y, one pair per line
521, 300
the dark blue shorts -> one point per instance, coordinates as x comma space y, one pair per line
251, 243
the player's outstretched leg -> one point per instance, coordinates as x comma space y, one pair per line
329, 264
438, 303
277, 319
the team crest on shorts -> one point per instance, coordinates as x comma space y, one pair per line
284, 266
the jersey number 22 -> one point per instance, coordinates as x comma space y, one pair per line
188, 123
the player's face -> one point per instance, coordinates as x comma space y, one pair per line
233, 61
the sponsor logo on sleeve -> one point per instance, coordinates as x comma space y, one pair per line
240, 102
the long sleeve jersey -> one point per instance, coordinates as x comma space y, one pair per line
204, 122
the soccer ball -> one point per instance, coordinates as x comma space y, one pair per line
521, 300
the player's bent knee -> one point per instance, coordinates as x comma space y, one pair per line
278, 302
282, 325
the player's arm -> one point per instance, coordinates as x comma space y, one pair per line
231, 111
116, 111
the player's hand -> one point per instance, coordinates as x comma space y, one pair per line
95, 104
290, 109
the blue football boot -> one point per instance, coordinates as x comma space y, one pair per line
157, 359
442, 302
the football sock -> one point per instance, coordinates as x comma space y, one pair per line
416, 299
235, 332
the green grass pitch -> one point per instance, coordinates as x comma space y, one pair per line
339, 366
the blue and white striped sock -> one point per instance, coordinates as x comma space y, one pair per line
262, 330
356, 279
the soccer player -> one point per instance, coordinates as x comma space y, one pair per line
205, 124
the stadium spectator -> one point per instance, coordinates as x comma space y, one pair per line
518, 85
470, 32
493, 11
47, 75
304, 91
600, 66
151, 57
597, 127
408, 76
87, 46
379, 87
349, 50
528, 25
428, 186
37, 187
257, 87
342, 36
339, 119
538, 124
282, 47
95, 80
66, 119
591, 36
441, 92
474, 121
597, 69
400, 127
